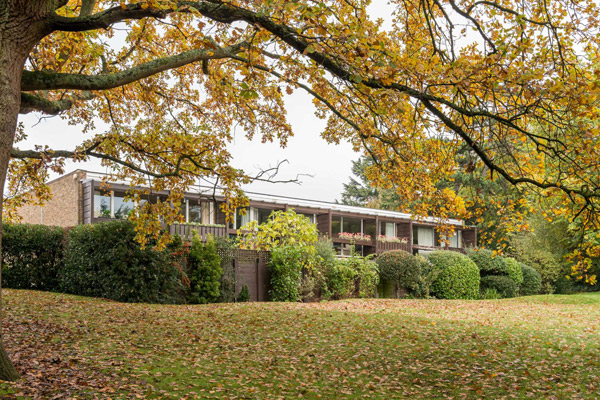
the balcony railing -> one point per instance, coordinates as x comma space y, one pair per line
185, 230
389, 246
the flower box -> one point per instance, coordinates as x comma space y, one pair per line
355, 237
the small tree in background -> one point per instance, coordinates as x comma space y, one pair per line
284, 228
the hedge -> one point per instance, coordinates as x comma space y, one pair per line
285, 266
457, 276
513, 270
400, 268
487, 262
31, 256
104, 260
204, 271
532, 281
504, 285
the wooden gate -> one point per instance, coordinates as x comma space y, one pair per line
251, 270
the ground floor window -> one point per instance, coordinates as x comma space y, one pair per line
345, 250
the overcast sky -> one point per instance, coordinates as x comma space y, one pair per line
306, 152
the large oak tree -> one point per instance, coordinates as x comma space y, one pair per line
516, 82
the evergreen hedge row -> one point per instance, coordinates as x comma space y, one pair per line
31, 256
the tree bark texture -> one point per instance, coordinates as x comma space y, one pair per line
21, 27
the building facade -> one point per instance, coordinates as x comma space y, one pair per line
83, 197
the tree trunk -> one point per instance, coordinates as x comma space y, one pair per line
22, 25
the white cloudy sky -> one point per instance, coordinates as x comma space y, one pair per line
306, 152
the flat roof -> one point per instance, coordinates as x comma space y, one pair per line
298, 202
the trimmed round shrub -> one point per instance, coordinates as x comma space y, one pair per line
487, 263
31, 256
457, 276
104, 260
532, 281
400, 268
504, 285
513, 270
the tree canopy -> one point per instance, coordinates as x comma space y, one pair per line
515, 82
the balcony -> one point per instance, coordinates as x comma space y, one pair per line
186, 230
383, 246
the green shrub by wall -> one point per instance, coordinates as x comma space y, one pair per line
366, 275
513, 270
104, 260
503, 284
532, 281
31, 256
457, 276
204, 271
285, 265
400, 268
340, 279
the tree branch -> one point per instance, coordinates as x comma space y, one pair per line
44, 80
104, 19
31, 103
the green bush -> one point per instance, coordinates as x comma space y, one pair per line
532, 281
513, 270
529, 251
457, 276
428, 275
340, 279
285, 266
31, 256
487, 262
366, 275
489, 294
504, 285
244, 295
204, 271
104, 260
226, 248
323, 259
401, 268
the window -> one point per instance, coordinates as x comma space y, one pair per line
387, 229
455, 240
351, 225
345, 250
369, 227
111, 205
101, 204
311, 217
262, 215
241, 220
423, 236
336, 225
198, 212
122, 207
194, 213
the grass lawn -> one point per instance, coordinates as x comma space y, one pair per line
534, 347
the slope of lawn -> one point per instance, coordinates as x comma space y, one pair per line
74, 347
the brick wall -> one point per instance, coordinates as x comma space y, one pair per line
64, 208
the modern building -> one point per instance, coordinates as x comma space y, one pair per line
83, 197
